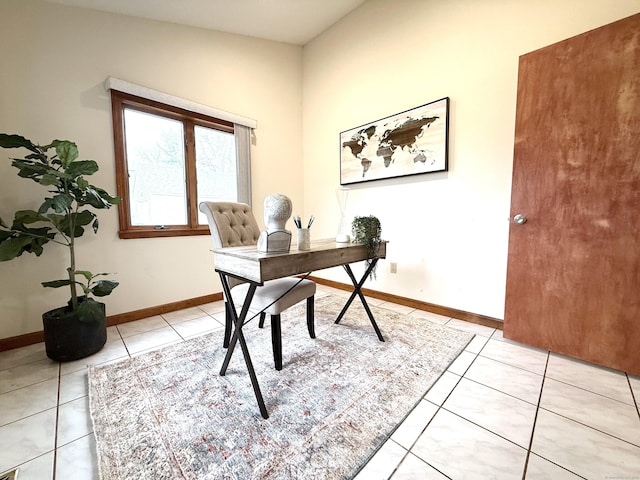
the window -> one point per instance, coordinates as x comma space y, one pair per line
168, 160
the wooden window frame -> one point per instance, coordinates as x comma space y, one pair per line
120, 101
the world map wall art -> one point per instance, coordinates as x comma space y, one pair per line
412, 142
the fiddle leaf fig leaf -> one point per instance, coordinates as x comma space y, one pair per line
101, 274
57, 220
85, 217
21, 239
67, 152
49, 179
85, 273
37, 156
104, 288
23, 217
82, 183
78, 220
59, 203
13, 247
38, 242
30, 169
17, 141
93, 198
108, 198
82, 167
57, 283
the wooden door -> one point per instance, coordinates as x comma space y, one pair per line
573, 275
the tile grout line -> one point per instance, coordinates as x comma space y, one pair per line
123, 343
585, 389
182, 339
591, 427
57, 423
477, 382
507, 364
535, 419
635, 400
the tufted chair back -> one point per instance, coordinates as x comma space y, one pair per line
231, 224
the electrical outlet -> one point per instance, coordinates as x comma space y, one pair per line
393, 267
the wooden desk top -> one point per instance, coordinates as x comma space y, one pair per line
259, 267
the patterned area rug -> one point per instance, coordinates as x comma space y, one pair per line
169, 415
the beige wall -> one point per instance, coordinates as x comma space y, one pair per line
54, 61
447, 231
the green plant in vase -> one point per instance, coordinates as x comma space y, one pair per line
368, 231
78, 329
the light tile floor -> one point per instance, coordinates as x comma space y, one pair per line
501, 411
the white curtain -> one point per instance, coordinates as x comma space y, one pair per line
243, 153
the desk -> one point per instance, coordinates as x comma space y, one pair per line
251, 266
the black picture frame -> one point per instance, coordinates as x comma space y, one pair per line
412, 142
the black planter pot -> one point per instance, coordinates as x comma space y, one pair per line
67, 337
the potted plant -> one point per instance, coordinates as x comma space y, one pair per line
79, 328
368, 231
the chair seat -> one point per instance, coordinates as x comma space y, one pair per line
273, 290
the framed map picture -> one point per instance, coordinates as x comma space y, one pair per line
408, 143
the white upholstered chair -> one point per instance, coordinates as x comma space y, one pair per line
233, 225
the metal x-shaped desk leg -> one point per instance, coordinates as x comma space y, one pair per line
358, 291
239, 336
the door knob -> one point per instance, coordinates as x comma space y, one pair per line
520, 219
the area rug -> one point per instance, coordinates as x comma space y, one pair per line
169, 415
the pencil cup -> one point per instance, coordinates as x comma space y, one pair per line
304, 239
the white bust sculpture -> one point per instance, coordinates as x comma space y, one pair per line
277, 210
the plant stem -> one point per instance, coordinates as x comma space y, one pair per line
72, 253
72, 285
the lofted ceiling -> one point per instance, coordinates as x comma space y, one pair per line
290, 21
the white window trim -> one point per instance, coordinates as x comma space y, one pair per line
112, 83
